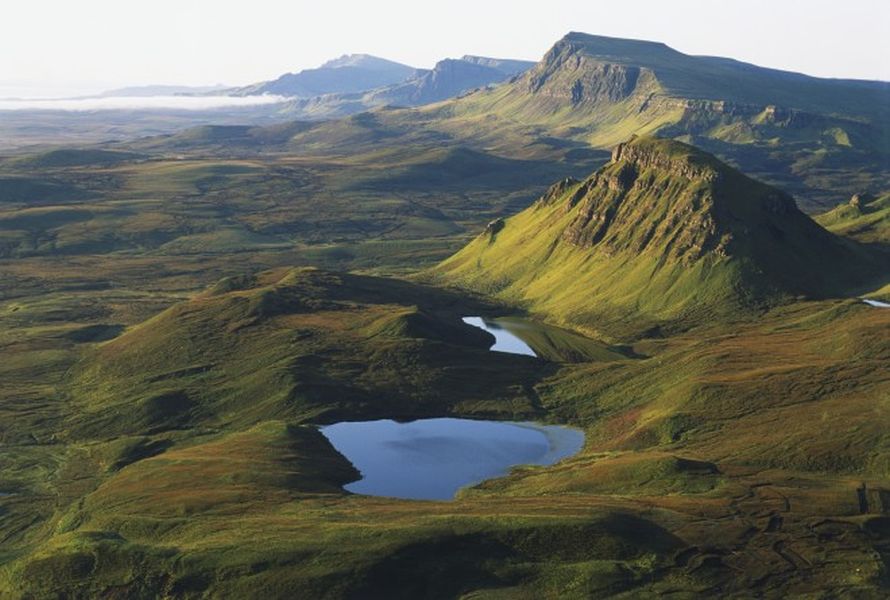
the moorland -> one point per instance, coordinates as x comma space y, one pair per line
180, 311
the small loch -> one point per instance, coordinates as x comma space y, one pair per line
528, 337
505, 339
431, 459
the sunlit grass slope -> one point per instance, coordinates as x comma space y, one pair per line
863, 218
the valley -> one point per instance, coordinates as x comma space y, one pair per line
188, 316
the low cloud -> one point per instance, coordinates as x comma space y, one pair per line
140, 103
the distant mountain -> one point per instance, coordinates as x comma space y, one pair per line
507, 66
348, 74
822, 140
804, 133
161, 90
663, 233
587, 73
449, 78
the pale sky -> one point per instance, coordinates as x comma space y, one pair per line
56, 47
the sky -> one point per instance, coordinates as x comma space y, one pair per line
69, 47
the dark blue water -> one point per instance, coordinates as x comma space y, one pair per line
505, 341
431, 459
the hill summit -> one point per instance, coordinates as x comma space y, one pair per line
350, 73
663, 232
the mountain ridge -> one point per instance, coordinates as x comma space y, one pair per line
349, 73
365, 61
449, 78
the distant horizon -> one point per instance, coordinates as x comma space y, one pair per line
8, 90
211, 43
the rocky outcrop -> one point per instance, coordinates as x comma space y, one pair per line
612, 218
493, 228
558, 190
698, 200
582, 80
688, 166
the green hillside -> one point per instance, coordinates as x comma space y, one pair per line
662, 233
862, 218
283, 344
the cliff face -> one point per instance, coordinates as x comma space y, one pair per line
695, 199
642, 156
586, 81
566, 75
606, 220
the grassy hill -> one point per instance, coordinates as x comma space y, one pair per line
663, 233
224, 190
866, 219
74, 157
282, 345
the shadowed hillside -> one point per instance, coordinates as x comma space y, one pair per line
299, 344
